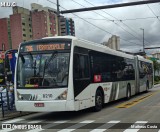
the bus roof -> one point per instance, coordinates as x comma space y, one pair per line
141, 58
63, 37
96, 46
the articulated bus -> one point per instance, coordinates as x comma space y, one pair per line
65, 73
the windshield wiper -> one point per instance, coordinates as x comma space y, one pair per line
47, 63
22, 56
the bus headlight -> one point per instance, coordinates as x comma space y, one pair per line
20, 97
63, 96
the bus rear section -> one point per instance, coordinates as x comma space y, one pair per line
43, 73
144, 77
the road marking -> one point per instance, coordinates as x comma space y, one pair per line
144, 122
98, 130
13, 121
105, 126
61, 121
134, 102
49, 126
34, 122
140, 123
78, 125
113, 122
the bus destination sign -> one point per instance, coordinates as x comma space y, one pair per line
45, 47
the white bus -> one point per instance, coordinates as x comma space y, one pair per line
69, 74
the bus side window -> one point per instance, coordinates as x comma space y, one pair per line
81, 66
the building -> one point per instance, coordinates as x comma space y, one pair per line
5, 34
25, 25
113, 42
21, 26
156, 55
67, 26
44, 21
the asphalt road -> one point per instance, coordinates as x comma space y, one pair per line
141, 113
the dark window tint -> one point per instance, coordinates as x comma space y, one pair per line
81, 66
112, 68
145, 69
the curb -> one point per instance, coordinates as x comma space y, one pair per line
156, 85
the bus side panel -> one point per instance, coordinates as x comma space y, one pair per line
145, 74
70, 104
137, 85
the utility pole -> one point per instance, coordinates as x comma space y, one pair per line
143, 38
58, 14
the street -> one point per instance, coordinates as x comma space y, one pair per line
139, 112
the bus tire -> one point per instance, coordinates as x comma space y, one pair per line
98, 101
128, 94
147, 86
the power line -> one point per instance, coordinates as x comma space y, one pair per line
131, 19
112, 21
153, 13
111, 6
107, 18
152, 47
95, 25
120, 21
52, 2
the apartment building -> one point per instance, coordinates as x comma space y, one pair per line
21, 26
5, 34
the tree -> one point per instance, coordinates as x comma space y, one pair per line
156, 66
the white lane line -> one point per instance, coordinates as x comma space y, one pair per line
61, 121
98, 130
13, 121
49, 126
115, 122
138, 124
105, 126
78, 125
144, 122
34, 122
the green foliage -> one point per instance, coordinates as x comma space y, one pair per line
156, 66
156, 78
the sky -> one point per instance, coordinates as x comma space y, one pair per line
125, 22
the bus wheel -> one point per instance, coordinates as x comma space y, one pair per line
98, 101
128, 95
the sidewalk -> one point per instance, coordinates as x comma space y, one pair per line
10, 114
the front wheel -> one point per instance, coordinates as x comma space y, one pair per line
98, 101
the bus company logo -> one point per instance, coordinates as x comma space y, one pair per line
8, 4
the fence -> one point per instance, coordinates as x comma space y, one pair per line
6, 101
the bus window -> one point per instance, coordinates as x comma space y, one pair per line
81, 66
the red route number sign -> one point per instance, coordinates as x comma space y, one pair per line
97, 78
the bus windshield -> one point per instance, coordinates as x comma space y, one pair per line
43, 69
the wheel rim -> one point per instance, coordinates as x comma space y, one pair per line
128, 95
147, 87
99, 100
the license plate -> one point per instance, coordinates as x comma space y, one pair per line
39, 104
